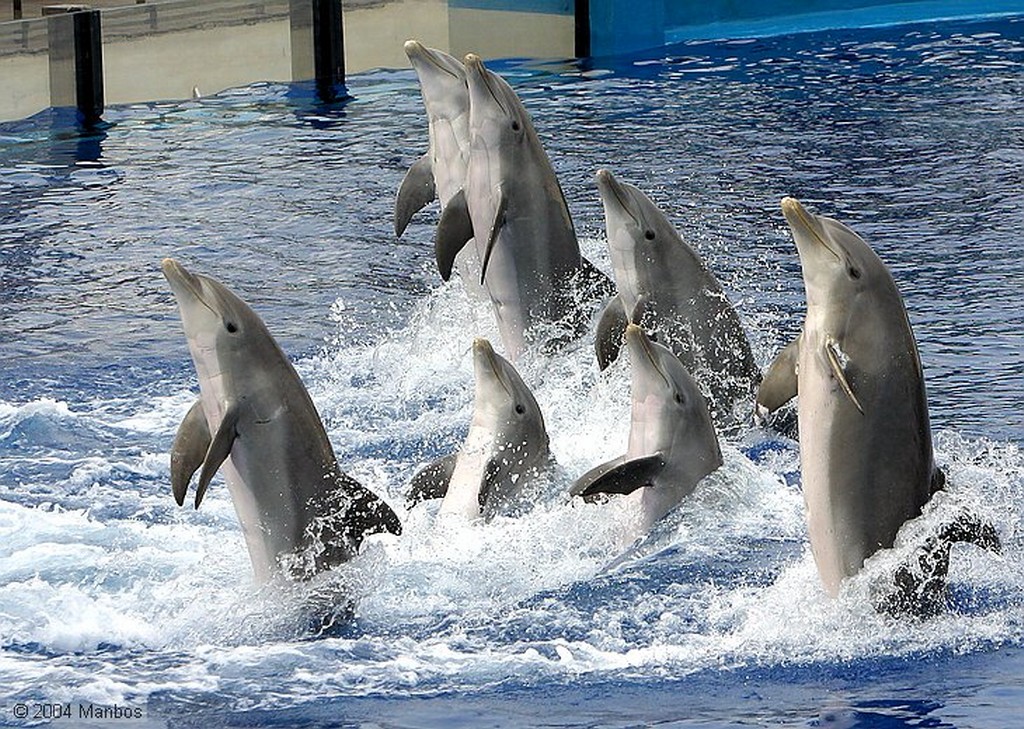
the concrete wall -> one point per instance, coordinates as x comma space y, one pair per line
164, 48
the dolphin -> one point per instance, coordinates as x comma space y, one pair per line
866, 460
679, 299
513, 209
672, 440
506, 448
255, 422
441, 172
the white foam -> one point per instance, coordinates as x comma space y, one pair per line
455, 604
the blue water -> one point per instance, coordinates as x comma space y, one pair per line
112, 595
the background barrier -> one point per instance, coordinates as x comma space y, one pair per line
117, 51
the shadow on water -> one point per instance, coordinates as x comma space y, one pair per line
319, 107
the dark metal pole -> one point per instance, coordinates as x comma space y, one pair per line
89, 66
76, 63
318, 45
328, 47
582, 18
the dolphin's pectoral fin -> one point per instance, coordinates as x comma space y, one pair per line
416, 191
191, 445
584, 482
610, 329
835, 357
454, 230
367, 514
920, 583
220, 449
620, 476
938, 481
431, 481
779, 384
492, 236
489, 483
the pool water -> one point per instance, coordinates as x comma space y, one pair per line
111, 595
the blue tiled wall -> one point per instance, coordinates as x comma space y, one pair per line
621, 26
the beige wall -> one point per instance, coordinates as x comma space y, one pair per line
169, 65
501, 34
24, 85
374, 35
142, 64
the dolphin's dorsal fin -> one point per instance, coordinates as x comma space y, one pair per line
220, 449
779, 385
431, 481
611, 327
454, 230
492, 236
191, 445
835, 362
622, 475
416, 191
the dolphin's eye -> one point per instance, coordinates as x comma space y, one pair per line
515, 125
649, 234
231, 327
678, 397
520, 409
854, 272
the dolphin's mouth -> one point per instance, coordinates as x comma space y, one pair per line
635, 333
180, 278
798, 218
483, 348
476, 67
420, 51
608, 185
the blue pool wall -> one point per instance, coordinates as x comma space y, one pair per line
611, 27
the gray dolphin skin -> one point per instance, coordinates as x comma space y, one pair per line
672, 440
513, 208
441, 172
505, 450
255, 422
677, 296
866, 459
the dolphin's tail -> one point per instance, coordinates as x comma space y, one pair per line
920, 587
